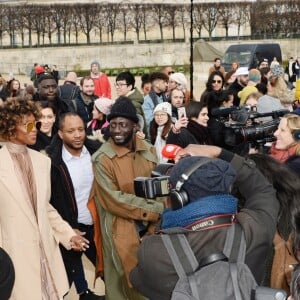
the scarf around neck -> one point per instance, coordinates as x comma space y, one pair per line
199, 209
200, 132
282, 155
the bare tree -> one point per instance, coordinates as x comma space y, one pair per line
210, 17
112, 11
101, 21
3, 22
227, 16
198, 18
124, 18
136, 19
160, 17
11, 24
183, 17
87, 21
171, 18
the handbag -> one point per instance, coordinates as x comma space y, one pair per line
283, 263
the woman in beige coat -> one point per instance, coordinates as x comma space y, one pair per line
30, 228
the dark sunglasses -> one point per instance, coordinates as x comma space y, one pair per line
31, 125
171, 72
217, 81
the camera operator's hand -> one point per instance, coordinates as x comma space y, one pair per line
198, 150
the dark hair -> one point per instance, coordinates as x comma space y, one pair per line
210, 79
262, 88
287, 186
166, 130
11, 114
211, 99
46, 104
85, 78
193, 108
217, 58
63, 118
128, 77
159, 75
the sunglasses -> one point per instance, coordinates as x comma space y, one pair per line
217, 81
171, 72
31, 125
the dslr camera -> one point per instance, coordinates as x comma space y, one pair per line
157, 185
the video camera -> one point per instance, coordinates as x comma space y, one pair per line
157, 185
242, 124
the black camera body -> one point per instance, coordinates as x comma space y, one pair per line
151, 187
157, 185
243, 124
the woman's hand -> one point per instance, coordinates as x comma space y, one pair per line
78, 242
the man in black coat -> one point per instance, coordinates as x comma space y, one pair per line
71, 182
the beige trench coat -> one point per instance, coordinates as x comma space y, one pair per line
20, 233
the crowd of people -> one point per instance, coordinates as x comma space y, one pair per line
71, 153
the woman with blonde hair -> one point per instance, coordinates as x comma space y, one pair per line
286, 148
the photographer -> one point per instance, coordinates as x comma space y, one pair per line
208, 189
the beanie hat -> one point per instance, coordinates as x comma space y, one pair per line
254, 75
245, 92
180, 79
104, 105
212, 178
276, 71
123, 107
95, 63
7, 275
165, 107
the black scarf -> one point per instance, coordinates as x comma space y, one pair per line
200, 132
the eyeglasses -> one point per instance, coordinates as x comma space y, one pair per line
119, 85
217, 81
31, 125
171, 72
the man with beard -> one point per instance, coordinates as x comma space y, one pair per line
124, 218
71, 182
242, 79
48, 91
84, 102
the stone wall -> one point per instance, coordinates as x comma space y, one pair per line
20, 61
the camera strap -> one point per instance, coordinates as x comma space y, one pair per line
212, 222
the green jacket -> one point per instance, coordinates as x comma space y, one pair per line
118, 210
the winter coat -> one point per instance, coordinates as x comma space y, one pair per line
62, 192
120, 212
155, 276
20, 233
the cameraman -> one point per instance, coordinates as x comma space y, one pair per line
208, 190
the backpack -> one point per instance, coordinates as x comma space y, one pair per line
222, 276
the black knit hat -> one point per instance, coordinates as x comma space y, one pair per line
123, 107
212, 178
7, 275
